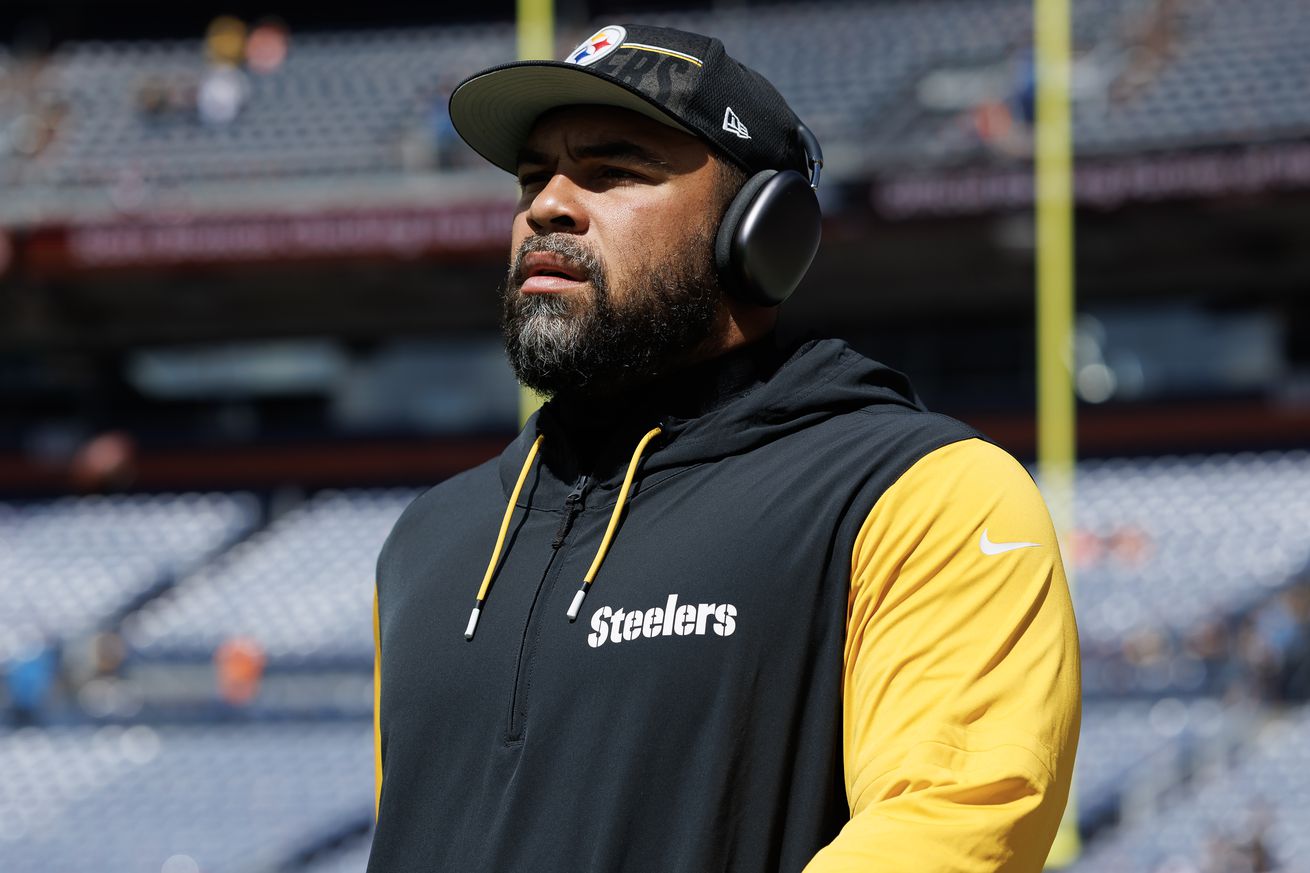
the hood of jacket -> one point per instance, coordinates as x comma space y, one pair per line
726, 406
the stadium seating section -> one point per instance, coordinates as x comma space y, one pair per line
352, 858
239, 798
1163, 548
1214, 821
303, 587
1211, 536
68, 565
882, 84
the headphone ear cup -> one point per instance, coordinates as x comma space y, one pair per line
768, 237
729, 277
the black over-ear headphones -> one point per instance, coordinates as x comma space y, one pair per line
770, 233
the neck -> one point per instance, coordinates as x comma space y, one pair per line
689, 388
737, 327
593, 424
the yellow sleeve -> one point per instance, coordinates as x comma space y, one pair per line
961, 688
377, 700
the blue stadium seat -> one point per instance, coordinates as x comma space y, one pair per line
302, 588
1264, 790
67, 565
231, 798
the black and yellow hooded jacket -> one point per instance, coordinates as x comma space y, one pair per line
825, 630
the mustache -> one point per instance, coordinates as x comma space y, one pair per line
578, 256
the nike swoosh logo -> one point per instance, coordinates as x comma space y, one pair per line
990, 548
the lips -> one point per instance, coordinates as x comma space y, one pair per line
550, 273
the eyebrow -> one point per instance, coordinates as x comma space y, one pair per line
618, 148
530, 156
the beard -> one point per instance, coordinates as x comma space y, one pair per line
588, 342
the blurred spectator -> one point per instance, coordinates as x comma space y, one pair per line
994, 125
106, 462
1151, 652
224, 88
107, 653
418, 142
267, 46
1295, 685
31, 116
1153, 41
449, 145
1084, 549
91, 669
160, 99
1284, 625
1247, 849
225, 41
1269, 655
30, 678
152, 97
1263, 655
223, 91
1023, 99
1210, 644
1130, 546
239, 664
431, 141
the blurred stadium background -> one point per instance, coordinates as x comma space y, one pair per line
247, 311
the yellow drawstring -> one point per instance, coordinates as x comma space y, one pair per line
500, 540
600, 553
614, 523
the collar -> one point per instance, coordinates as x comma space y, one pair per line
591, 435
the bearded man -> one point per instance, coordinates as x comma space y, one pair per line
736, 607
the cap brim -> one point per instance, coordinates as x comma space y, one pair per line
494, 111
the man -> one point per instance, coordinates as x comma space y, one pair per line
737, 607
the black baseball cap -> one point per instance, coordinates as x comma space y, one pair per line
681, 79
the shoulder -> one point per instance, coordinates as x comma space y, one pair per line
966, 504
442, 506
883, 444
967, 471
915, 432
473, 482
875, 405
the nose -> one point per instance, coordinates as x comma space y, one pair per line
557, 207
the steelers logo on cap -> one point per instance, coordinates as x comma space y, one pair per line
601, 43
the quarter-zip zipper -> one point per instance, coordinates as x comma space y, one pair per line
574, 503
572, 506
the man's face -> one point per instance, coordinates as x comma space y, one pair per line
612, 279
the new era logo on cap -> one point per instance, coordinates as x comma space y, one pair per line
732, 124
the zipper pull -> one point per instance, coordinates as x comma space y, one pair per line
572, 506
